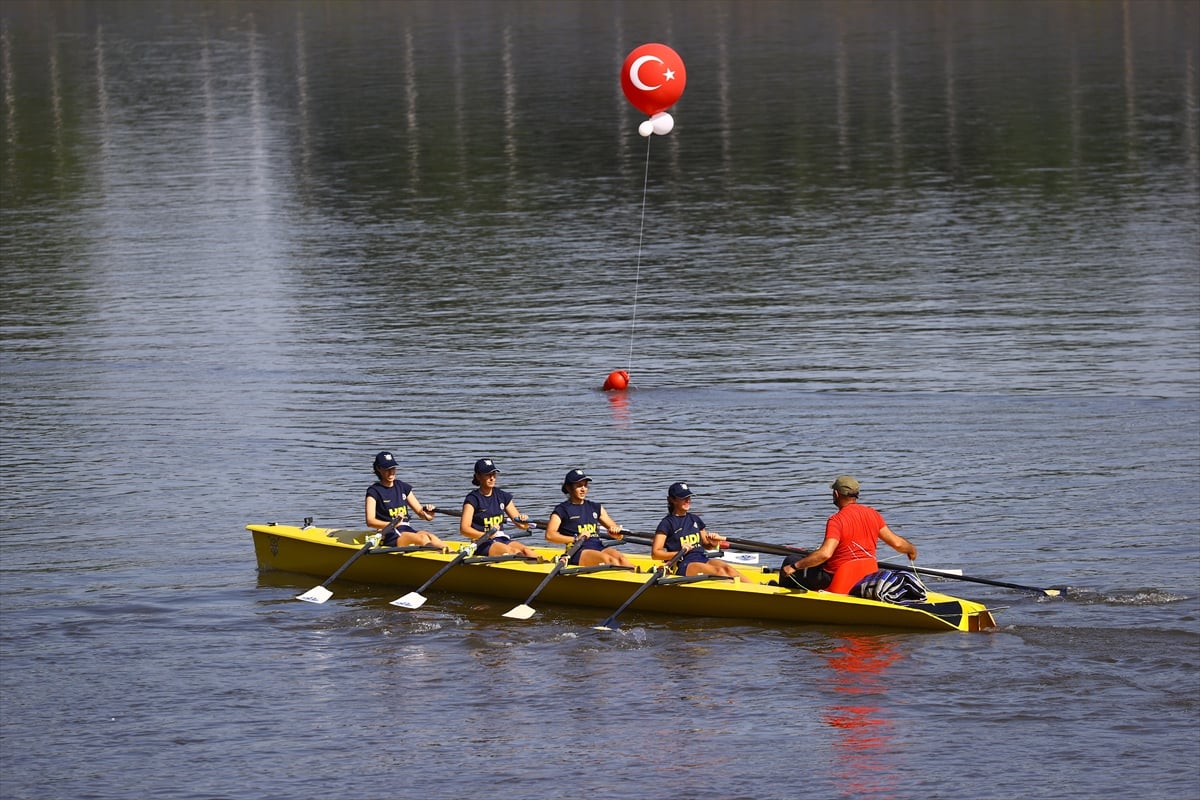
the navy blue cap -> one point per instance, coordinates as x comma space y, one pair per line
485, 466
384, 460
574, 477
680, 490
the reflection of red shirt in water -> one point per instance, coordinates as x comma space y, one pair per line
856, 528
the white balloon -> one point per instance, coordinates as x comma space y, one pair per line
662, 123
646, 128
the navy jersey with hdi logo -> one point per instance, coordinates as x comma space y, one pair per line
681, 530
578, 518
489, 510
390, 503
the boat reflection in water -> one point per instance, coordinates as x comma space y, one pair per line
857, 711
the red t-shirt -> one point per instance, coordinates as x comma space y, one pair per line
856, 528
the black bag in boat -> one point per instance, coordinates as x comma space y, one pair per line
813, 579
890, 586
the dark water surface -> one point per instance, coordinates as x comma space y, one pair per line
950, 248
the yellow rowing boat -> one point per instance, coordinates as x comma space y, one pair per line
321, 552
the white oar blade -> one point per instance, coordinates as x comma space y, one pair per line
410, 600
519, 612
317, 594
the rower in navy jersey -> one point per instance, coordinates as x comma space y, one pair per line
484, 512
577, 516
683, 530
389, 499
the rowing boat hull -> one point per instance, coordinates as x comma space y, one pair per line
320, 552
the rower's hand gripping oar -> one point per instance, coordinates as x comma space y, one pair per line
525, 611
528, 523
648, 541
319, 594
607, 539
785, 550
610, 623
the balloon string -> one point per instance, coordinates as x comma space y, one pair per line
641, 234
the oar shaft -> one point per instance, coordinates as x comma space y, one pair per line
458, 513
555, 570
456, 560
973, 579
445, 568
655, 578
361, 552
319, 594
785, 550
767, 547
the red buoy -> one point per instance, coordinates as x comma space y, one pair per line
616, 381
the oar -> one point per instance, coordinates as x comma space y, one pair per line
611, 622
525, 611
766, 547
785, 550
607, 539
319, 594
971, 578
415, 599
637, 538
648, 541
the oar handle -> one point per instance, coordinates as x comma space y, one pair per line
530, 522
766, 547
608, 539
386, 529
648, 541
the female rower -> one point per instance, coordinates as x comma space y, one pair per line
578, 517
683, 530
484, 512
389, 499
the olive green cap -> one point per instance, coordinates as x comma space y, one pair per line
845, 485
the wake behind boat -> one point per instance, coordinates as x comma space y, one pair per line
326, 552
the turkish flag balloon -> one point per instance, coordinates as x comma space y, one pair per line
653, 78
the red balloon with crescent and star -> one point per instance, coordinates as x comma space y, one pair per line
653, 78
